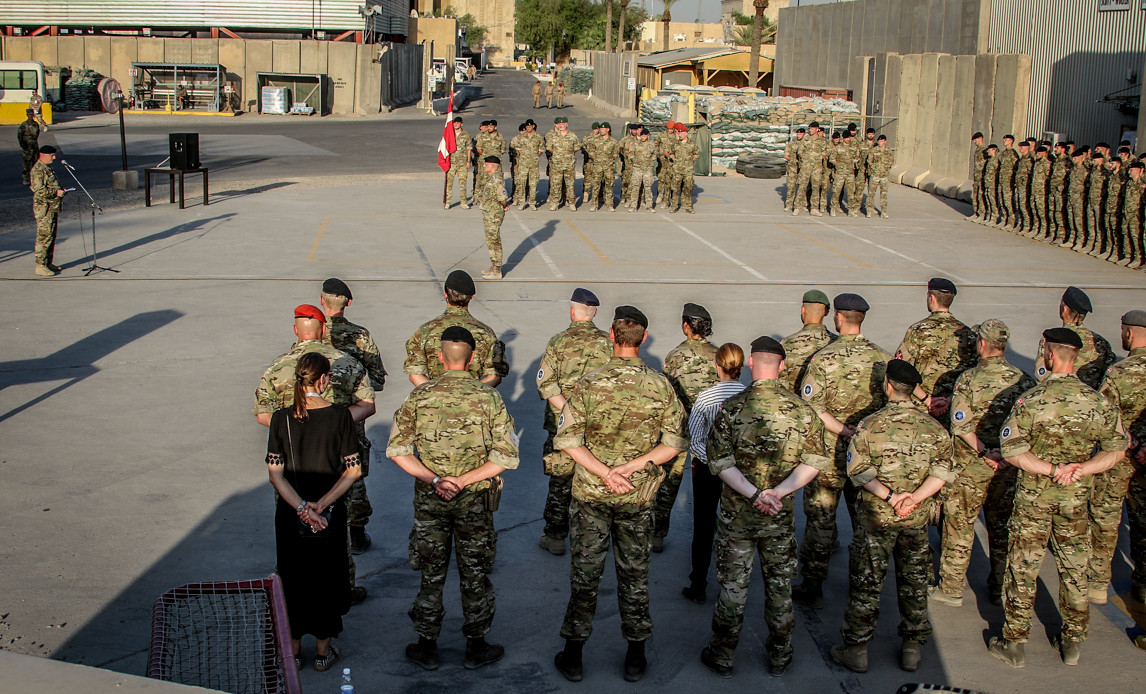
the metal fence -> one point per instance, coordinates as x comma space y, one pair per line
401, 65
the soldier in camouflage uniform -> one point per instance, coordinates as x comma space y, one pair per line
47, 199
979, 160
455, 437
765, 444
587, 162
1108, 216
644, 160
489, 362
28, 134
991, 185
1096, 355
494, 201
496, 146
579, 349
1051, 436
620, 423
811, 153
843, 384
665, 142
1096, 243
562, 146
880, 159
843, 161
827, 172
900, 457
625, 152
683, 162
1074, 235
1132, 214
791, 156
529, 147
814, 336
982, 399
690, 367
1056, 193
1008, 160
603, 157
481, 143
1040, 177
459, 165
1022, 188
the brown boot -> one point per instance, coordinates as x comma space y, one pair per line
44, 271
493, 273
852, 656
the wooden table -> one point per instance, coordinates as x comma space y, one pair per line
171, 174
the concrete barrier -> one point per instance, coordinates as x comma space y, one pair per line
26, 673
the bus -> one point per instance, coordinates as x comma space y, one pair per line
17, 80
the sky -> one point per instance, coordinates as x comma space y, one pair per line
705, 10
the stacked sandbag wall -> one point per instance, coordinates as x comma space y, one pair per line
578, 79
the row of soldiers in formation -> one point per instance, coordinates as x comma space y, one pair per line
551, 92
945, 423
1081, 198
823, 171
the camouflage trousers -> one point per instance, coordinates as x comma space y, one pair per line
810, 176
1021, 202
1007, 198
963, 499
1132, 233
664, 181
626, 179
1075, 232
1105, 510
559, 467
792, 181
1037, 519
1136, 513
742, 533
666, 496
1040, 217
870, 552
46, 221
642, 180
561, 185
1056, 210
457, 173
492, 219
1113, 233
463, 523
592, 525
821, 501
845, 184
991, 198
525, 185
680, 191
1096, 227
600, 185
29, 160
977, 194
881, 184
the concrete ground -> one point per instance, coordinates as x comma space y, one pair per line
131, 462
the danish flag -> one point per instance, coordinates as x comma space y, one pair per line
449, 144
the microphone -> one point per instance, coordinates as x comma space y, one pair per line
66, 164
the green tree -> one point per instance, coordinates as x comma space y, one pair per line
475, 33
566, 24
743, 35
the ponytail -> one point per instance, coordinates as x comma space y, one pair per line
311, 367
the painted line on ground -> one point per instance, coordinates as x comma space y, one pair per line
592, 245
909, 259
830, 248
537, 245
714, 247
317, 240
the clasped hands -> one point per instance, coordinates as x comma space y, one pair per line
448, 487
1067, 474
769, 502
904, 504
617, 478
311, 514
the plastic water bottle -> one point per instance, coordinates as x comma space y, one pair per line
347, 685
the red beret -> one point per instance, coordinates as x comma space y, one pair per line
681, 128
309, 311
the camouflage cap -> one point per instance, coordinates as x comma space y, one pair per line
1136, 318
815, 296
994, 331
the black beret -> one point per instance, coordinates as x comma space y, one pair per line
870, 130
492, 160
695, 311
1136, 318
801, 130
634, 126
644, 131
850, 302
942, 284
1098, 155
836, 135
1008, 137
484, 123
336, 287
976, 136
1041, 148
29, 111
853, 126
456, 333
530, 122
461, 282
814, 124
1077, 300
631, 314
47, 149
493, 122
584, 296
1063, 336
768, 345
459, 119
993, 146
521, 128
1103, 144
903, 372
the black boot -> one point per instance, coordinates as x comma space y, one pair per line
568, 661
424, 653
359, 540
809, 593
479, 653
635, 662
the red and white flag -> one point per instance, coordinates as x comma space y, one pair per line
449, 144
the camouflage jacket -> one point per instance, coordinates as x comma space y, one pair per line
690, 368
492, 194
843, 160
1059, 171
1023, 172
901, 446
684, 156
1114, 185
482, 145
791, 154
1132, 195
604, 152
1092, 361
529, 148
570, 354
44, 187
1008, 159
941, 347
1076, 182
349, 383
28, 134
1125, 389
423, 346
454, 424
879, 162
620, 411
563, 148
356, 341
1096, 185
643, 155
625, 148
812, 152
1040, 174
980, 158
991, 170
495, 145
765, 431
980, 404
461, 156
1060, 421
799, 348
665, 143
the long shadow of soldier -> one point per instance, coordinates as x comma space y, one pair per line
540, 236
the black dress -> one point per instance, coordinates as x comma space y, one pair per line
314, 568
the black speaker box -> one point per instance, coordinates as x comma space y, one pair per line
184, 150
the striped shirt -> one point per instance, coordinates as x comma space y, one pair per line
704, 409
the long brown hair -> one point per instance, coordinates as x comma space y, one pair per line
310, 368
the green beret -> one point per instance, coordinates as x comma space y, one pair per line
815, 296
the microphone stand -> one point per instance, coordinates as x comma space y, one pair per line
94, 208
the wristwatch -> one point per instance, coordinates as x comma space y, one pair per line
300, 508
757, 495
890, 494
983, 453
434, 483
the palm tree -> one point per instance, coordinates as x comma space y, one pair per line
666, 17
743, 34
621, 28
757, 30
608, 26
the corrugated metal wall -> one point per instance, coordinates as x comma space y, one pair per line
1078, 56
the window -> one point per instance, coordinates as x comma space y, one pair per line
18, 79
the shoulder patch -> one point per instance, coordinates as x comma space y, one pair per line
1042, 371
561, 420
1006, 433
960, 415
850, 451
541, 373
808, 389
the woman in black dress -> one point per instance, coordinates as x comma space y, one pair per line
313, 459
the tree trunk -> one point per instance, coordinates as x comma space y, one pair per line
666, 18
754, 60
621, 27
608, 26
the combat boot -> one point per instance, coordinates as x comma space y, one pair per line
1010, 652
424, 653
44, 271
869, 214
635, 661
721, 671
884, 214
1138, 593
359, 540
796, 212
1096, 594
553, 208
936, 593
568, 661
493, 273
816, 213
853, 656
480, 653
909, 656
553, 545
1070, 650
810, 593
445, 206
831, 212
658, 544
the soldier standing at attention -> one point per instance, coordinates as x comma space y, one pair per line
900, 457
1132, 214
537, 94
494, 201
587, 162
765, 444
827, 172
1040, 177
665, 143
36, 103
603, 158
459, 165
620, 424
1075, 235
1095, 355
1114, 249
812, 151
880, 159
28, 134
843, 160
814, 336
843, 384
644, 161
560, 94
690, 367
1053, 432
990, 185
864, 175
625, 151
980, 161
549, 92
1056, 193
981, 402
683, 161
529, 147
562, 146
1096, 244
497, 147
579, 349
1008, 159
422, 348
1026, 163
47, 199
454, 436
481, 147
793, 168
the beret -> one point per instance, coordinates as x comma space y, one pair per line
1042, 148
605, 124
560, 119
493, 123
336, 287
767, 345
836, 135
521, 128
801, 130
903, 372
994, 331
942, 284
847, 134
461, 282
1025, 143
459, 119
695, 311
870, 130
851, 302
456, 333
881, 138
1077, 300
977, 136
1063, 336
631, 314
29, 111
853, 126
584, 296
671, 124
1098, 155
992, 146
681, 128
484, 123
596, 125
47, 149
644, 131
1008, 137
815, 296
309, 311
530, 122
491, 159
1135, 317
814, 124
